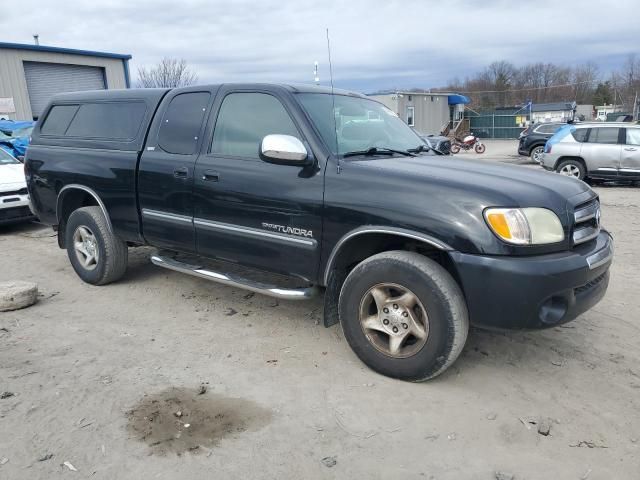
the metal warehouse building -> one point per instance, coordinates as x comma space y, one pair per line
31, 74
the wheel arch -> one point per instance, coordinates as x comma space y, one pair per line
70, 198
536, 145
363, 242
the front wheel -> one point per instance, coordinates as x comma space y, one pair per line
403, 315
96, 254
455, 148
480, 148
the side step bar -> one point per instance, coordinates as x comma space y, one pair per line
302, 293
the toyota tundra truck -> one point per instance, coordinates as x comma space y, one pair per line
294, 191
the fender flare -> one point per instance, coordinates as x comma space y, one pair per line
401, 232
76, 186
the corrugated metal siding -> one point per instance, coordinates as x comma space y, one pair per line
13, 82
46, 79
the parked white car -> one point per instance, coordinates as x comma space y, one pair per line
14, 198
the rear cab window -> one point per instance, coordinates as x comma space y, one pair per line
118, 121
182, 121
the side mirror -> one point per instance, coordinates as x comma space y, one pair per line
284, 150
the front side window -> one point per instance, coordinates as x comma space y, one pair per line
633, 136
245, 119
348, 123
410, 116
604, 135
182, 121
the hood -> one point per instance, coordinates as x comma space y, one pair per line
12, 177
498, 184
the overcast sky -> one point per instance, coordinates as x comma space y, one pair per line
375, 44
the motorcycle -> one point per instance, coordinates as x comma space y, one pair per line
468, 143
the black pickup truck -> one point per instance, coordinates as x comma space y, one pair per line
292, 191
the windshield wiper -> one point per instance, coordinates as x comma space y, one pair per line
379, 151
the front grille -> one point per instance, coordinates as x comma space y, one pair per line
22, 191
589, 285
586, 222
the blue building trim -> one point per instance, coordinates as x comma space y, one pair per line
127, 78
70, 51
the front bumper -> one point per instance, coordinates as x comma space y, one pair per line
14, 208
535, 292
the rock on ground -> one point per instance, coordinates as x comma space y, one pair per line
17, 294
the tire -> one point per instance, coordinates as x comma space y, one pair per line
572, 168
88, 227
439, 310
480, 148
455, 149
536, 153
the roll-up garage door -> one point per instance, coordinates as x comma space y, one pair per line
46, 79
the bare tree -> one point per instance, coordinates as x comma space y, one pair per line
169, 73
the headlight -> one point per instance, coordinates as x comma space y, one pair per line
525, 226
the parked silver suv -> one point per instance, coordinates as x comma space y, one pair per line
599, 151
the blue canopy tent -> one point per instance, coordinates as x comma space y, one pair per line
457, 99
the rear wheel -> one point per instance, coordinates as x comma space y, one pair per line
403, 315
571, 168
455, 148
96, 254
480, 148
536, 153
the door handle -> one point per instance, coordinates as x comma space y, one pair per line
630, 149
210, 176
181, 172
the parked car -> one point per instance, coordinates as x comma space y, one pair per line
532, 139
290, 191
438, 143
597, 151
14, 198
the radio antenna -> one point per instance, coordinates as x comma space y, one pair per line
333, 103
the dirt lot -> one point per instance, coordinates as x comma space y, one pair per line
107, 378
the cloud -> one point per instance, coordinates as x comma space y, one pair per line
375, 44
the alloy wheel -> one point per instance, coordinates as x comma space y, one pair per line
394, 320
570, 171
86, 247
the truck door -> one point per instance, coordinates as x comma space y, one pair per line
249, 211
165, 175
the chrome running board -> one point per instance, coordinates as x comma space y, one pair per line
234, 280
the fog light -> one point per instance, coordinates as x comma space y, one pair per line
553, 310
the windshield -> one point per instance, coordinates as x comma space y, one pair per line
360, 124
6, 159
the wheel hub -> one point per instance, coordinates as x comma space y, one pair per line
85, 246
394, 320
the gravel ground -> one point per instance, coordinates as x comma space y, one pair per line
107, 378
